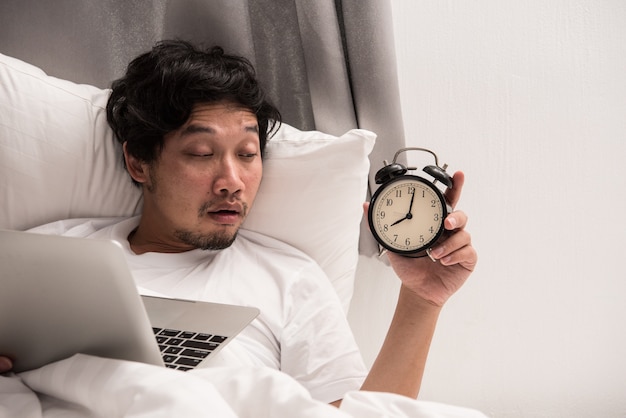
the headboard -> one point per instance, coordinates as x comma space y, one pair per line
328, 65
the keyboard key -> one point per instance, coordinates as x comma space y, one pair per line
193, 362
199, 344
195, 353
173, 350
218, 339
169, 332
168, 358
202, 337
174, 341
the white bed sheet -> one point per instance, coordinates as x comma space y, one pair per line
86, 386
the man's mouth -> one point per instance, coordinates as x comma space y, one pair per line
226, 214
225, 217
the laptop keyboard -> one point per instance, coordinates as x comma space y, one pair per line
184, 350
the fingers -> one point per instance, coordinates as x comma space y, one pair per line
5, 364
454, 194
456, 249
455, 220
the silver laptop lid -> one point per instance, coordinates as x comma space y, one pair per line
61, 295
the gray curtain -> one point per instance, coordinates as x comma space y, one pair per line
328, 64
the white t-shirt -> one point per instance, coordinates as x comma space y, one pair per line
301, 330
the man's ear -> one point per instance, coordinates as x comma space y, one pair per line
137, 169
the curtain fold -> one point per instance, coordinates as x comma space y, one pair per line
327, 64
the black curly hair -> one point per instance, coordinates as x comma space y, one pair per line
161, 87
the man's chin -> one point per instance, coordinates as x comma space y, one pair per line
213, 241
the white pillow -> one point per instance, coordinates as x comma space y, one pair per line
311, 197
59, 160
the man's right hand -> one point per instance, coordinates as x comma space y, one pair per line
5, 364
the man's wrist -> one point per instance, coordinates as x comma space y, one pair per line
411, 299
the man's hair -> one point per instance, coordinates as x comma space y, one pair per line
161, 87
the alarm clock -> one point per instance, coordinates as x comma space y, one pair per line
406, 212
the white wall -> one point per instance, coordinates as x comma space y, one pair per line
529, 99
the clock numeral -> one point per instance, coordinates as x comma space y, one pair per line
398, 193
436, 217
433, 203
422, 238
389, 202
386, 228
411, 190
407, 242
395, 238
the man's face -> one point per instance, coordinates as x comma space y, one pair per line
199, 190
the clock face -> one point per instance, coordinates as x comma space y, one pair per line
406, 215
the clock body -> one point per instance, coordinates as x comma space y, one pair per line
406, 215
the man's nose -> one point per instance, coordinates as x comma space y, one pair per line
228, 179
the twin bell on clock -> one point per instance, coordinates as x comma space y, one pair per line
406, 213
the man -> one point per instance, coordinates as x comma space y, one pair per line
193, 127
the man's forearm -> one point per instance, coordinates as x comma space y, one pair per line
400, 364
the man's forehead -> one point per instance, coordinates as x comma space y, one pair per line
199, 128
208, 117
221, 107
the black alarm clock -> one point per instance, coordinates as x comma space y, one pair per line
406, 212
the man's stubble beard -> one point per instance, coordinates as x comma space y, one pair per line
215, 241
210, 241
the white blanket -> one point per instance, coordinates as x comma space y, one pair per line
85, 386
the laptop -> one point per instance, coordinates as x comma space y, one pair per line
62, 295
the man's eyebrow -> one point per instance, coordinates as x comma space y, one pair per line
194, 129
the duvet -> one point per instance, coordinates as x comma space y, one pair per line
86, 386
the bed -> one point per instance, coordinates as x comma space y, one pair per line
329, 66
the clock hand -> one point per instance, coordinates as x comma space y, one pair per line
409, 215
400, 220
411, 205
